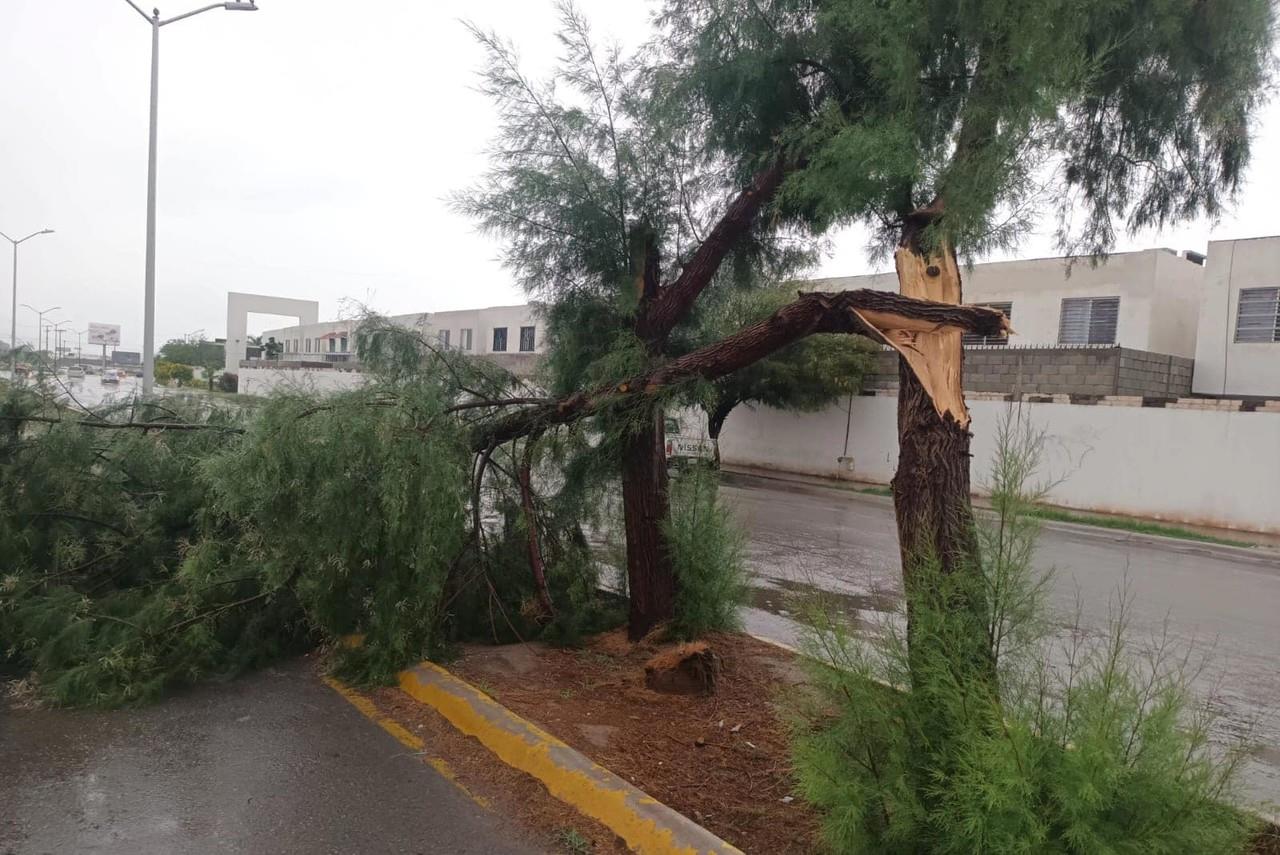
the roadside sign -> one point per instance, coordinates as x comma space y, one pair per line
104, 334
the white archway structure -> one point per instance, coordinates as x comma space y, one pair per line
240, 305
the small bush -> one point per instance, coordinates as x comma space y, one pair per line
228, 382
1078, 746
173, 372
707, 550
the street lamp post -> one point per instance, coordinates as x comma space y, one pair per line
149, 309
13, 323
40, 326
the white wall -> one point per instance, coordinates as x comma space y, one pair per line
240, 305
1222, 366
264, 381
1159, 295
481, 322
1204, 467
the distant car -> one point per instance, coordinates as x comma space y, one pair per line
75, 372
685, 445
110, 377
89, 369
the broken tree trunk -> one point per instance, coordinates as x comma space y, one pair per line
936, 530
810, 312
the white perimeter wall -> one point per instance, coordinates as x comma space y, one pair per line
264, 381
1205, 467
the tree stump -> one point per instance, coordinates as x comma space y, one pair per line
688, 669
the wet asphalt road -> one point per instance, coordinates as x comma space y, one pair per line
275, 762
1226, 602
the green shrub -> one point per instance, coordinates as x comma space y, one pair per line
1081, 746
708, 553
173, 372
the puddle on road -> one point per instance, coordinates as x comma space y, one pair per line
784, 597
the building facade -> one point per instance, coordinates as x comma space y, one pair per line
1238, 342
1145, 301
512, 336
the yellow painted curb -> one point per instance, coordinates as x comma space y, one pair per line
645, 824
404, 737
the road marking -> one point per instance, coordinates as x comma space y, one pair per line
414, 743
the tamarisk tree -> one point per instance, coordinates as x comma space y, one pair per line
752, 123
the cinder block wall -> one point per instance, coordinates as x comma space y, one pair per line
1059, 371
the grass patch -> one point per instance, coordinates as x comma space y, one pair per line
574, 842
1052, 514
1043, 512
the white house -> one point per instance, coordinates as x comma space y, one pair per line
1238, 344
511, 334
1144, 300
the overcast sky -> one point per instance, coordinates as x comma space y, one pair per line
305, 151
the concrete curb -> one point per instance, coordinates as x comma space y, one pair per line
645, 824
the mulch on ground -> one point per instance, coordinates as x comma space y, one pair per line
721, 759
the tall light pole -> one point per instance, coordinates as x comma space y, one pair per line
149, 309
40, 326
79, 352
13, 323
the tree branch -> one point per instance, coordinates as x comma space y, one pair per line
850, 312
675, 300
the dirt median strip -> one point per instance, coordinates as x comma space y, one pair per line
647, 825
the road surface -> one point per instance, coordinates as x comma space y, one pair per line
274, 762
1227, 601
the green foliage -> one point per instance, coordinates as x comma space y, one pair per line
201, 352
358, 512
1111, 114
228, 382
94, 527
173, 372
1082, 744
140, 560
805, 376
708, 552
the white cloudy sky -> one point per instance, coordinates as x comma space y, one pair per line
305, 151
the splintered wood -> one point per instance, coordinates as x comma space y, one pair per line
932, 350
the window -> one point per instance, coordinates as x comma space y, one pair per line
499, 339
333, 345
971, 339
308, 341
526, 339
1258, 316
344, 344
1088, 320
444, 338
464, 339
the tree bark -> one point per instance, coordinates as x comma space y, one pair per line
651, 579
715, 422
936, 529
536, 563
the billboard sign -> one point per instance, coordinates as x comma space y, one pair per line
104, 334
